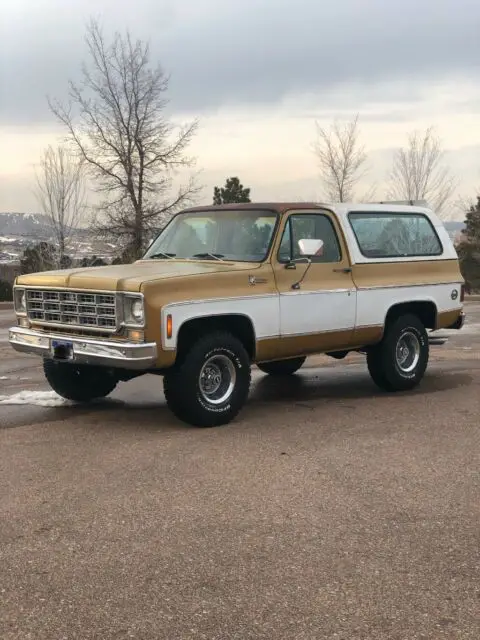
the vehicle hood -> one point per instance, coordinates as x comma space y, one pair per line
128, 277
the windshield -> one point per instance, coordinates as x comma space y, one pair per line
243, 236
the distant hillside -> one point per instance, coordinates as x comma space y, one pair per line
452, 225
30, 225
454, 230
21, 230
25, 225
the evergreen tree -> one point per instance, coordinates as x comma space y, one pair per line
233, 191
472, 223
6, 291
40, 257
93, 261
65, 262
469, 250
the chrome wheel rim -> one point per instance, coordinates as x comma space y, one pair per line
217, 379
407, 352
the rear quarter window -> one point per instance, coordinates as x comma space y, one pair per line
395, 235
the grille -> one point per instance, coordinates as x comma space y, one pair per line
80, 309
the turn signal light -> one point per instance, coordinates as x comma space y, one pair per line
169, 326
136, 336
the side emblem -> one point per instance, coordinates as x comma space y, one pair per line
253, 280
454, 294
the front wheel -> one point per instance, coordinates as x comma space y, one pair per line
79, 382
399, 361
210, 384
281, 367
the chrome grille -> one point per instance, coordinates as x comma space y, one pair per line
79, 309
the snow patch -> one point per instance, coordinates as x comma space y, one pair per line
37, 398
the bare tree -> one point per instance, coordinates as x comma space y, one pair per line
341, 159
462, 204
61, 193
116, 120
419, 171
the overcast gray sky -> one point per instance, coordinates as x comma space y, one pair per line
254, 51
306, 57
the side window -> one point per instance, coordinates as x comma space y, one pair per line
319, 227
395, 235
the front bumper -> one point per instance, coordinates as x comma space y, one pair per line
106, 353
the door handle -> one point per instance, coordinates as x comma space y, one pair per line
344, 270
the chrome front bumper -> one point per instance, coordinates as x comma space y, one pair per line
106, 353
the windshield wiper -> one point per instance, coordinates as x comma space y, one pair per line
161, 254
215, 256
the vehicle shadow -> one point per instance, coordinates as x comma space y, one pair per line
344, 385
308, 389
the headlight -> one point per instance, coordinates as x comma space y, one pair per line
134, 314
137, 310
20, 301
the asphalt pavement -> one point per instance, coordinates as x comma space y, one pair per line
326, 510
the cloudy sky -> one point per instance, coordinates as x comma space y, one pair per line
258, 74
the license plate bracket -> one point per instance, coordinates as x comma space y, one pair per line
61, 350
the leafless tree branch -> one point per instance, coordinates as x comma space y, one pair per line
116, 121
61, 193
341, 159
419, 172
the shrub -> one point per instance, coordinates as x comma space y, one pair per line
6, 291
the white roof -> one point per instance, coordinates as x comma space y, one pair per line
342, 209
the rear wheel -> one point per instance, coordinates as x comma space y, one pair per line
399, 361
281, 367
79, 382
210, 384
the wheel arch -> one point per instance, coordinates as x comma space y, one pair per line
239, 325
425, 309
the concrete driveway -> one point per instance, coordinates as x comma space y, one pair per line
327, 510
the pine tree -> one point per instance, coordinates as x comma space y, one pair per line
233, 191
472, 223
40, 257
93, 261
6, 291
469, 250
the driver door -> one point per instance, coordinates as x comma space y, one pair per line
318, 313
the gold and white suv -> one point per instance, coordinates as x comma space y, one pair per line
224, 287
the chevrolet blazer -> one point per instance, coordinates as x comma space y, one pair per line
224, 287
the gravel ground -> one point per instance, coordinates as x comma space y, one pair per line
326, 511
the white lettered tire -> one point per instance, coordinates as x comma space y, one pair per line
399, 362
209, 385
